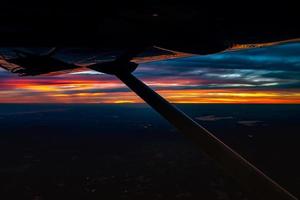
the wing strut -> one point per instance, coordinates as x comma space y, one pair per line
255, 182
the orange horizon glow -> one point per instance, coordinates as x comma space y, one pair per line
78, 91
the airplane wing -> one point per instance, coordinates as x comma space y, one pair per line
238, 47
139, 56
158, 54
152, 54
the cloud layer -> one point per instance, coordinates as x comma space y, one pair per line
263, 75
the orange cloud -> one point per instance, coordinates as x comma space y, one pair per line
107, 89
63, 90
232, 96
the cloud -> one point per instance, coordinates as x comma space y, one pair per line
249, 123
212, 118
269, 67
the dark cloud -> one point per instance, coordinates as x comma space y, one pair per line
250, 122
275, 66
212, 118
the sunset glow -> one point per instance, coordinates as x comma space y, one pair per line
267, 75
74, 89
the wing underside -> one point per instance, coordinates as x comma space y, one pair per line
83, 58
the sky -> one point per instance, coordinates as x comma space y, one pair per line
263, 75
